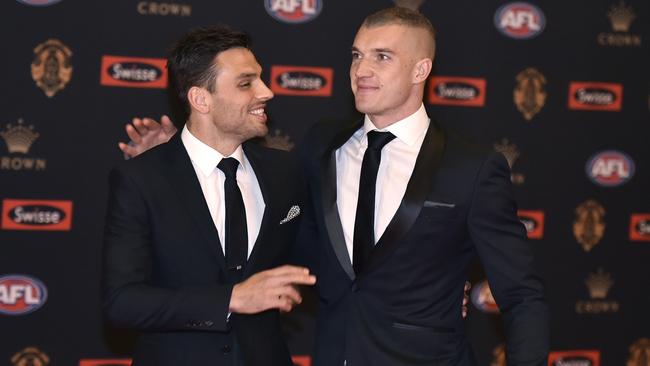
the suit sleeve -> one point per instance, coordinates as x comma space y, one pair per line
507, 257
129, 297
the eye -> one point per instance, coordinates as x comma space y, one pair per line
244, 85
383, 57
356, 55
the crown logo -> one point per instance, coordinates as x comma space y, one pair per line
599, 284
621, 17
278, 141
19, 138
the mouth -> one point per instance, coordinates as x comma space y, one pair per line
258, 112
364, 88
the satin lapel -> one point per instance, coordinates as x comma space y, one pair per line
418, 187
328, 195
263, 173
182, 177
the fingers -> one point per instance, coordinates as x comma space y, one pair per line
468, 286
291, 293
139, 126
133, 134
167, 125
127, 149
151, 125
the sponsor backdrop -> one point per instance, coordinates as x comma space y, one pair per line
560, 88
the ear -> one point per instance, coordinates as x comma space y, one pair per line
422, 70
199, 99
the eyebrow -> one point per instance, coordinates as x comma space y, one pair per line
376, 50
247, 75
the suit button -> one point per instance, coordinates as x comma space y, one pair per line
355, 287
225, 349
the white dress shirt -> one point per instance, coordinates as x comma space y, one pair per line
397, 163
205, 160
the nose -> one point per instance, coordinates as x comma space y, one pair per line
263, 93
361, 68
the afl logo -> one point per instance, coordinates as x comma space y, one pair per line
39, 2
21, 295
482, 298
610, 168
294, 11
519, 20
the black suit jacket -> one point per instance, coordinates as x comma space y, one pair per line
403, 308
164, 270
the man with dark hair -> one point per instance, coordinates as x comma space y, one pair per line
198, 230
399, 208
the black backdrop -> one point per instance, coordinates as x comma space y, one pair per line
568, 105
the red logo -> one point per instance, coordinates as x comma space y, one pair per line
105, 362
21, 294
574, 358
36, 215
301, 360
454, 90
302, 80
595, 96
481, 296
134, 72
640, 227
533, 221
610, 168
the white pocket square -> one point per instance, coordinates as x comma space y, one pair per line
294, 211
439, 204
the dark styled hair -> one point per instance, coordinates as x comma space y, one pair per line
191, 59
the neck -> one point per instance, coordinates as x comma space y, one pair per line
382, 121
211, 136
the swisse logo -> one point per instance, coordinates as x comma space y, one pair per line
482, 298
595, 96
301, 360
105, 362
610, 168
134, 72
302, 80
36, 215
574, 358
533, 221
640, 227
452, 90
519, 20
294, 11
39, 2
21, 294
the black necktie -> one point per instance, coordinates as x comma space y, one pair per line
364, 224
236, 231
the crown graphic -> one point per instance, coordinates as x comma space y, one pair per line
599, 284
19, 138
278, 141
508, 149
621, 17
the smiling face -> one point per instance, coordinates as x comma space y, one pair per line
390, 64
239, 99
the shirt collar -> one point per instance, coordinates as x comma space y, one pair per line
205, 157
407, 130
